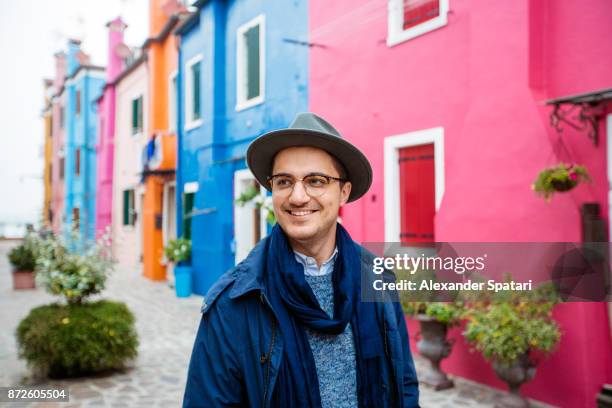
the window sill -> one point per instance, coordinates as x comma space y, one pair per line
250, 103
193, 124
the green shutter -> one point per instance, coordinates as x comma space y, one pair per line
188, 200
126, 207
195, 70
134, 116
252, 47
139, 119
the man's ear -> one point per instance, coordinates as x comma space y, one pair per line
345, 192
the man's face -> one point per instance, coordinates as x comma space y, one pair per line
304, 218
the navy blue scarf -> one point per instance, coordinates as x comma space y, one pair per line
296, 307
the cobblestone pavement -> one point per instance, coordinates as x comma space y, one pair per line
166, 327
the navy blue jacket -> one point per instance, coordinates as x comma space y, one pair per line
238, 347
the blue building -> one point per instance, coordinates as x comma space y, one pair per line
82, 87
243, 71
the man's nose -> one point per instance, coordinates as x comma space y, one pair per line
298, 195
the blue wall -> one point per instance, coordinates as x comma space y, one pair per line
80, 191
213, 151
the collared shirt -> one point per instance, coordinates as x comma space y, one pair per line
310, 264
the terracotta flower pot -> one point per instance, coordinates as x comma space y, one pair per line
23, 280
434, 346
515, 374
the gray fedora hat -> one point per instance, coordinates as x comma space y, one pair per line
308, 129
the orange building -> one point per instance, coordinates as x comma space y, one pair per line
159, 157
47, 115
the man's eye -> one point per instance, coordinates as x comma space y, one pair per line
282, 182
316, 181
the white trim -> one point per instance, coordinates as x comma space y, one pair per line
242, 178
92, 73
190, 187
165, 210
172, 105
191, 123
392, 144
395, 30
241, 101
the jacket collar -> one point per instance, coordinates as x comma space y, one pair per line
249, 272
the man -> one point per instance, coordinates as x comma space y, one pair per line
286, 327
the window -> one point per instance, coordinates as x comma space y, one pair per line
78, 102
137, 115
61, 117
62, 165
77, 162
172, 95
193, 93
250, 61
76, 218
408, 19
188, 201
129, 207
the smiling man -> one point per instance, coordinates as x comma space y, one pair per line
286, 327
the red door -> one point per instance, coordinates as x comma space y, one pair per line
417, 194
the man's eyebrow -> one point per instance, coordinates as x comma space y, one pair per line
312, 173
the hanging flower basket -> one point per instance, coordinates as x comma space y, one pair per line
558, 179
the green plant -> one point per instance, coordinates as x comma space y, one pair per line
71, 340
560, 178
448, 313
513, 325
73, 269
22, 257
178, 250
260, 200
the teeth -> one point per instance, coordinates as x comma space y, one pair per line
299, 213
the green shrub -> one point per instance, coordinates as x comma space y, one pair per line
22, 257
72, 340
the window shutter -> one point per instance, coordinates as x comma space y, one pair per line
187, 209
134, 115
126, 207
252, 58
195, 69
417, 193
419, 11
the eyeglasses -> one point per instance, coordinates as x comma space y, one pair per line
314, 184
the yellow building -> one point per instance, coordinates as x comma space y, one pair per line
47, 213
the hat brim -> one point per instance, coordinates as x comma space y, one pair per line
261, 152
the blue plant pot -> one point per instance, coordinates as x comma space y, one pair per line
182, 280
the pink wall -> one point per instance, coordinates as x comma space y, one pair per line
484, 78
106, 128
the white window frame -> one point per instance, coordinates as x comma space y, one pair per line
396, 33
172, 105
240, 178
241, 77
392, 145
191, 123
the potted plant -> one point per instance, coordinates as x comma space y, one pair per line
23, 260
76, 337
435, 318
178, 251
260, 200
560, 178
510, 333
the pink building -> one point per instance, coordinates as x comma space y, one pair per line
57, 143
460, 88
117, 53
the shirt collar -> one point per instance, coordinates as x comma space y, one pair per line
310, 264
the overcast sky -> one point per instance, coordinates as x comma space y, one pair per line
30, 33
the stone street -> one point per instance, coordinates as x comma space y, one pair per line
166, 327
